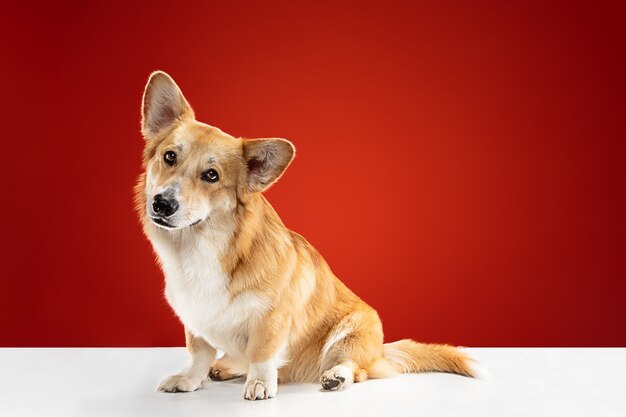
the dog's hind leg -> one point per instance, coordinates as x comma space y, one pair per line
350, 347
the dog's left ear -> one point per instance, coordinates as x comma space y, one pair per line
163, 104
266, 160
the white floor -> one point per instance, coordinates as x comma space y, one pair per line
122, 382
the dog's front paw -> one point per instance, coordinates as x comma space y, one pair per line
259, 390
180, 383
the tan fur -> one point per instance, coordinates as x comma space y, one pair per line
307, 305
405, 356
225, 368
197, 344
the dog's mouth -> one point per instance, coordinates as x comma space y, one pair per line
163, 223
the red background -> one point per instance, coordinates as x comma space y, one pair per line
461, 167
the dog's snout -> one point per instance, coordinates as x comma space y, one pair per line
164, 206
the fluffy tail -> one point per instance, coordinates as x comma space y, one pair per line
407, 356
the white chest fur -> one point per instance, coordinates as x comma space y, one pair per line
197, 289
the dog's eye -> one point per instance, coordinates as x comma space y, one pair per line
210, 175
169, 157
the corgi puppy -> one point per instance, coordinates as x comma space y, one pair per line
238, 279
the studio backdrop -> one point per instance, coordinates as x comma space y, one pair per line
460, 166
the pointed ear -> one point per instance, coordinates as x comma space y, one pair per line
163, 104
266, 159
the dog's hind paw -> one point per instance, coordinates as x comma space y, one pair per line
337, 378
221, 373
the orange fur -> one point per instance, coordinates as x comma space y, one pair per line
309, 314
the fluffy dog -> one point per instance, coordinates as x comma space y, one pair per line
238, 279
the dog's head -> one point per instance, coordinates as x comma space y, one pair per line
194, 170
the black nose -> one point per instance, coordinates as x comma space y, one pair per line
163, 206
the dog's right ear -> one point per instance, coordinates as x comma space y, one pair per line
163, 104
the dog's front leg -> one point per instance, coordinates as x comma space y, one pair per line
202, 356
265, 349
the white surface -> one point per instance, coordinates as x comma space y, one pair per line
123, 382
